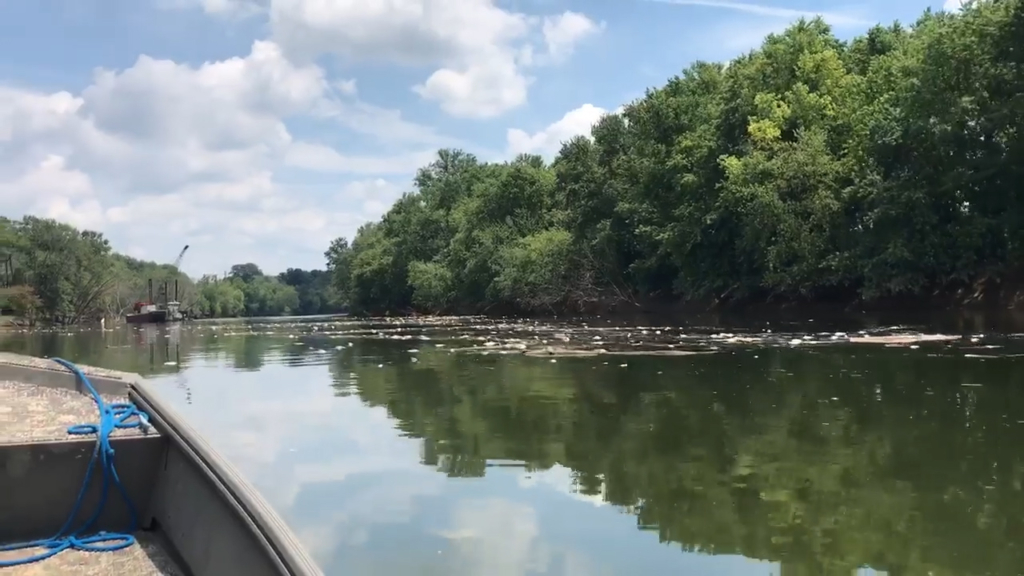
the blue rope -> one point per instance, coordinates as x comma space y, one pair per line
112, 416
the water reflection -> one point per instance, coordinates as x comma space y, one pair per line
390, 454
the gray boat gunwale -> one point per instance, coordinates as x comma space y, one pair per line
270, 530
245, 507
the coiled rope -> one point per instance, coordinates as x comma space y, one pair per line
112, 417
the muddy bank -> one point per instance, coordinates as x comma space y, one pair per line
986, 307
944, 315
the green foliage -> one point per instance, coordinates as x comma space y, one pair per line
249, 292
269, 297
316, 294
812, 168
219, 299
131, 284
538, 271
431, 284
246, 272
63, 275
53, 273
22, 301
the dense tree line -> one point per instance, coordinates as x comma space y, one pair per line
53, 273
811, 168
247, 291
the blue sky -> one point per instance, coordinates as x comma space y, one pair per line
258, 130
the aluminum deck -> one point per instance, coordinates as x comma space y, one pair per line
201, 517
145, 558
33, 413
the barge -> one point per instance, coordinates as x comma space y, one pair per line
192, 512
156, 313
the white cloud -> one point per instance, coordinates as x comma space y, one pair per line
347, 87
161, 124
327, 159
560, 479
732, 37
311, 438
483, 88
213, 152
196, 150
478, 49
497, 537
383, 124
228, 8
51, 190
375, 196
419, 32
548, 141
834, 18
563, 32
471, 40
953, 5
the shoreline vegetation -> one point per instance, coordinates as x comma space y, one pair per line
53, 274
882, 172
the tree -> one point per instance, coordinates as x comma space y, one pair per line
219, 299
246, 272
810, 168
68, 270
316, 294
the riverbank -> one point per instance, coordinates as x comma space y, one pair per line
983, 307
990, 298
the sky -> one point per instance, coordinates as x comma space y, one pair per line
260, 130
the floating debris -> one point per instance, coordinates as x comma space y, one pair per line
902, 339
583, 352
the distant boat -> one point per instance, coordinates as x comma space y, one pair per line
150, 313
154, 313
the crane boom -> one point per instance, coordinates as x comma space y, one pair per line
177, 261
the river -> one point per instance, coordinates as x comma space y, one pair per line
439, 448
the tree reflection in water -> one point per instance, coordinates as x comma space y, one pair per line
823, 460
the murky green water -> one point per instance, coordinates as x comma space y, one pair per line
779, 453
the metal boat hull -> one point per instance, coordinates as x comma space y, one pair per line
151, 317
209, 519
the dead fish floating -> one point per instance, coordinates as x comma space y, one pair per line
564, 352
902, 339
